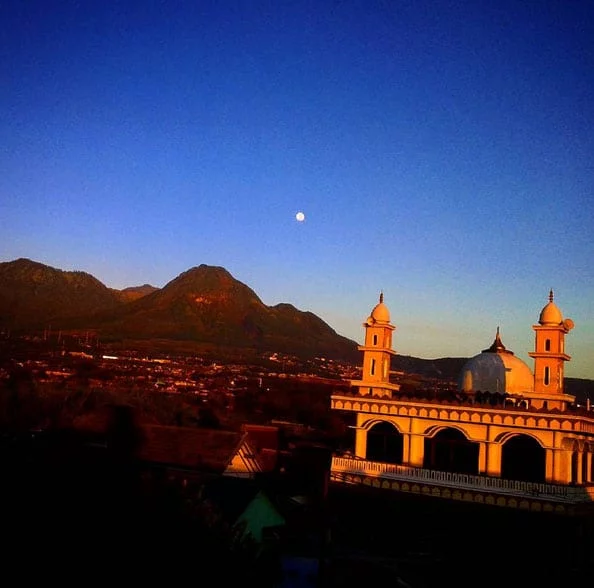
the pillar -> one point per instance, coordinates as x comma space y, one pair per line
405, 448
493, 459
416, 451
549, 465
561, 466
361, 443
588, 457
580, 468
482, 458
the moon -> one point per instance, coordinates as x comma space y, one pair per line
300, 217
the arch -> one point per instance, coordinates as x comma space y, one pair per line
372, 422
505, 437
434, 430
385, 442
448, 449
522, 458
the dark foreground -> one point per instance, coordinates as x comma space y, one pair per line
425, 542
77, 515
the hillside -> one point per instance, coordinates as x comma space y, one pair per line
135, 292
33, 295
205, 304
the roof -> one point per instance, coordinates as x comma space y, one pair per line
266, 441
205, 449
496, 372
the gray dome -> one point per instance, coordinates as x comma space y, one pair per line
496, 370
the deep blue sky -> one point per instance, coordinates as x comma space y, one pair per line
442, 152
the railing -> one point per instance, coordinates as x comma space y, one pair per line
463, 481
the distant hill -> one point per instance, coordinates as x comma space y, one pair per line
446, 368
33, 295
135, 292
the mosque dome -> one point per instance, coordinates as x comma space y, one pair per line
550, 314
380, 312
496, 369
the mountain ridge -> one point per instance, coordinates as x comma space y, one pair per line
205, 304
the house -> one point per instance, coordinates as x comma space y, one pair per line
193, 451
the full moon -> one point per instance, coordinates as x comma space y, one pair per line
300, 217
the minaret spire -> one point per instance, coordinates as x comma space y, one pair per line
381, 297
497, 346
551, 295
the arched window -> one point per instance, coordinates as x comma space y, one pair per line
547, 345
375, 339
547, 375
372, 368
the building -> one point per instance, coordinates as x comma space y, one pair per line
511, 437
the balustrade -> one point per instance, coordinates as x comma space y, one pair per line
468, 481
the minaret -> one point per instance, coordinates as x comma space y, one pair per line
377, 351
549, 350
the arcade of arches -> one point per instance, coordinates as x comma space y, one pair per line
513, 456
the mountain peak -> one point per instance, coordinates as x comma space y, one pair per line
204, 304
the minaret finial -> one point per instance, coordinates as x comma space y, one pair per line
381, 297
497, 331
551, 295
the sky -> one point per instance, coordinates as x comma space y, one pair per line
442, 152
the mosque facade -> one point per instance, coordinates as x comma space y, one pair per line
511, 437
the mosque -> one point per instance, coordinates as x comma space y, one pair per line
511, 437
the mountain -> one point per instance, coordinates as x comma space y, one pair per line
205, 304
135, 292
33, 295
444, 368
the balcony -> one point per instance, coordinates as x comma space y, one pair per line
346, 469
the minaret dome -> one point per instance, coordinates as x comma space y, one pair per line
380, 312
550, 314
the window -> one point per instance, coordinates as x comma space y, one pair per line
375, 339
548, 345
547, 376
372, 369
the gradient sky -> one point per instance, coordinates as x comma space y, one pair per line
442, 152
